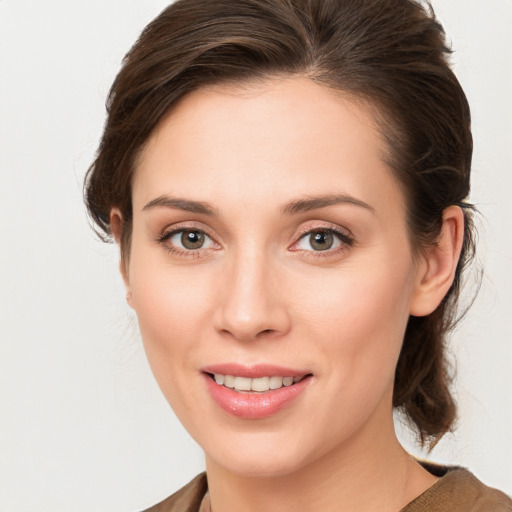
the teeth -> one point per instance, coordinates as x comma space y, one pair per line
260, 384
276, 382
229, 381
242, 384
287, 381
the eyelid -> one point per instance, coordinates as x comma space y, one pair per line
172, 230
324, 226
344, 236
185, 226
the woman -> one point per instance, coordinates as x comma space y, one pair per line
287, 181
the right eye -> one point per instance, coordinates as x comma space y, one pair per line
183, 241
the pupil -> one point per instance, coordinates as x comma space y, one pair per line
192, 239
322, 240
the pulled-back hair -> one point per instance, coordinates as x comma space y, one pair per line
389, 53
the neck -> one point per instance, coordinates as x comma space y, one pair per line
363, 474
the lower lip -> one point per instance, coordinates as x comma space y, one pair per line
254, 405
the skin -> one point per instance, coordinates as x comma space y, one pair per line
259, 292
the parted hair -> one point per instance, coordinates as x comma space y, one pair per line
392, 54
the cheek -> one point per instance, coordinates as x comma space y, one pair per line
355, 330
360, 320
171, 306
354, 301
170, 314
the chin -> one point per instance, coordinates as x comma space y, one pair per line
261, 467
261, 455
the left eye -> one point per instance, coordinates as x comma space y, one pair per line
320, 240
190, 239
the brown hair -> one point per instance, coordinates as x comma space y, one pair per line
390, 53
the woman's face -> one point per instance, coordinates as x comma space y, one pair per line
270, 246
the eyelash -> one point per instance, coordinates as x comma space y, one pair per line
346, 241
190, 253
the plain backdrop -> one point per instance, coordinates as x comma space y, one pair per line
83, 426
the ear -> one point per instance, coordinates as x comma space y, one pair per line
116, 226
437, 266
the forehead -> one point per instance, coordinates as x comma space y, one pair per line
281, 105
288, 135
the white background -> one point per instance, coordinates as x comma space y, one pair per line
83, 426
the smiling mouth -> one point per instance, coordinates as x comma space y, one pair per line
256, 385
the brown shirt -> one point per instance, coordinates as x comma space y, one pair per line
457, 490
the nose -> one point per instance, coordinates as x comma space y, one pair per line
251, 303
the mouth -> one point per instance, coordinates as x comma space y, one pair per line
255, 385
255, 392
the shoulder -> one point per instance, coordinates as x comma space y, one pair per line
458, 490
187, 499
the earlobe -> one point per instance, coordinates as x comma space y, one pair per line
116, 226
436, 270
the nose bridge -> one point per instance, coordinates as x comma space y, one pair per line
251, 302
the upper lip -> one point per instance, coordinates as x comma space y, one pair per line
253, 371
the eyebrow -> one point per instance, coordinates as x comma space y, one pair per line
315, 202
177, 203
298, 206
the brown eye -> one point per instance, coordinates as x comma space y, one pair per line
321, 240
192, 239
188, 242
